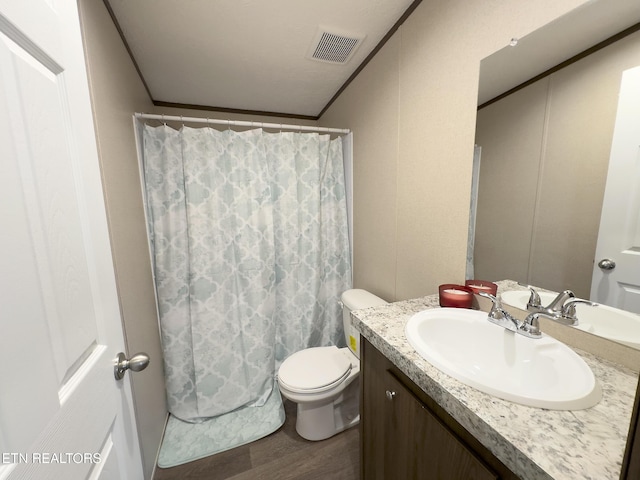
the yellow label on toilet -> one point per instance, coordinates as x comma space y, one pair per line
353, 343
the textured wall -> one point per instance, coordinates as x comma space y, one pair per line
116, 93
413, 110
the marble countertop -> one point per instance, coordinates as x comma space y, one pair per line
534, 443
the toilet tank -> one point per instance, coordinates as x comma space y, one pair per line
356, 299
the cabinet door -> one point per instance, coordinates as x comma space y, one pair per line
418, 446
372, 411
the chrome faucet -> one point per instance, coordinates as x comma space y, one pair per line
554, 308
529, 327
562, 309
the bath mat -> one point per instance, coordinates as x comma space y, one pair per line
184, 442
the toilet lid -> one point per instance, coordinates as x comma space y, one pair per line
314, 369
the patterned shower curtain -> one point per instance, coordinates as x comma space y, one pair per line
251, 253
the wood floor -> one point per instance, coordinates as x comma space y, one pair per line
283, 455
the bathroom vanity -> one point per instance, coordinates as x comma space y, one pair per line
417, 422
409, 435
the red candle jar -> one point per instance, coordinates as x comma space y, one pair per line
452, 295
482, 286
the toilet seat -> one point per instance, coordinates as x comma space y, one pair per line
314, 370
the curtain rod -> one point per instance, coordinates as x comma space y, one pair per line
239, 123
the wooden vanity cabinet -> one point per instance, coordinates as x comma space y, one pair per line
631, 459
406, 435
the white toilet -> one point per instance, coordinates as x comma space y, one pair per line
323, 380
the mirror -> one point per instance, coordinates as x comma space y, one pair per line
545, 148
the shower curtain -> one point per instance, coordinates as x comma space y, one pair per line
251, 252
473, 209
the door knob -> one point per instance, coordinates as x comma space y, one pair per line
607, 264
390, 394
136, 363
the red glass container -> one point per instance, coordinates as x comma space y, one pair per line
452, 295
482, 286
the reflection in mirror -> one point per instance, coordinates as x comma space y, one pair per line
545, 153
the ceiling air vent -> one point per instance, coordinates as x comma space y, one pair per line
333, 47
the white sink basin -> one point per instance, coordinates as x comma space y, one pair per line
540, 372
602, 320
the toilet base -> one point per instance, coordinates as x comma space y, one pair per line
324, 419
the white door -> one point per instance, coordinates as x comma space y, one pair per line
62, 413
616, 271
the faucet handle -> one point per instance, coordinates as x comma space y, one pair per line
534, 302
530, 326
496, 307
569, 309
494, 299
489, 296
499, 315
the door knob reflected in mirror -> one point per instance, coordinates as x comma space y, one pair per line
137, 363
607, 264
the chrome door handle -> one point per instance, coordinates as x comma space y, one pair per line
607, 264
390, 394
136, 363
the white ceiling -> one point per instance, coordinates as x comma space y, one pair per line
252, 55
248, 54
554, 43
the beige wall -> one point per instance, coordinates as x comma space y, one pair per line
503, 235
117, 92
375, 128
546, 149
412, 110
